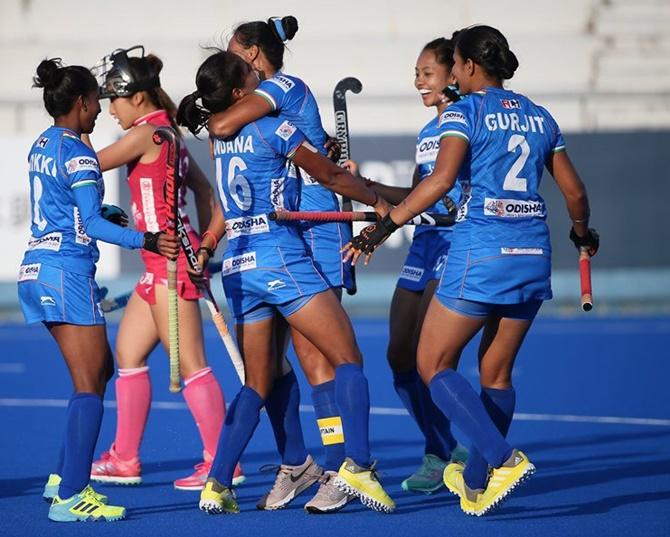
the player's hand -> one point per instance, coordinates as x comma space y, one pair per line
162, 244
590, 241
352, 167
369, 239
333, 149
382, 207
115, 215
200, 278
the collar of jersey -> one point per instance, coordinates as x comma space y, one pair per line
69, 132
151, 115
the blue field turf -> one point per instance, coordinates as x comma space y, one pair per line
595, 477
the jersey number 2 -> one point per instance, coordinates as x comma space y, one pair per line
512, 179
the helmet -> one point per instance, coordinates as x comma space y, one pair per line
116, 78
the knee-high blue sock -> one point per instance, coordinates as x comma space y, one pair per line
435, 427
283, 408
455, 397
84, 416
61, 452
241, 421
353, 400
330, 424
500, 406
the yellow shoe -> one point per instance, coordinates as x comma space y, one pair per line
364, 483
516, 469
453, 479
51, 490
84, 507
216, 499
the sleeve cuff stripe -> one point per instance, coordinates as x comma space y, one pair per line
267, 97
559, 148
84, 183
457, 134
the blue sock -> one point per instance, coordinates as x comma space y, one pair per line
61, 452
435, 427
455, 397
330, 424
283, 408
241, 421
500, 406
353, 400
84, 416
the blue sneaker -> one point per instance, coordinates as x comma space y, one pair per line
83, 507
429, 476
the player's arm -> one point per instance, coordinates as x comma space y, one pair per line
577, 202
210, 240
203, 193
248, 109
337, 179
87, 200
134, 145
392, 194
433, 188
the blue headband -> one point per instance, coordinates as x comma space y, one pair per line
279, 27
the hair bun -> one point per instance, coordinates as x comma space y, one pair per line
47, 73
155, 63
290, 25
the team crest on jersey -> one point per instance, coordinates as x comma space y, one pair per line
43, 141
506, 208
284, 83
82, 164
510, 103
451, 116
286, 130
29, 272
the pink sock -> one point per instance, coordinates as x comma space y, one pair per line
205, 401
133, 397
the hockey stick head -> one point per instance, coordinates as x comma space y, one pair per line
347, 84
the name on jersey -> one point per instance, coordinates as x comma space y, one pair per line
29, 272
79, 231
521, 251
50, 241
286, 130
514, 122
82, 164
426, 150
241, 144
285, 84
513, 208
413, 274
247, 225
42, 164
239, 263
452, 116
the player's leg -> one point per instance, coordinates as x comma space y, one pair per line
323, 321
136, 338
202, 392
445, 333
298, 470
88, 356
408, 310
255, 339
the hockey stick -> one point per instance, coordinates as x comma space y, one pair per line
342, 134
214, 310
423, 219
172, 183
585, 279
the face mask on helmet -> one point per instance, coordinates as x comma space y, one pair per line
116, 78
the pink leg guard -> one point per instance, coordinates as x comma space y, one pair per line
133, 397
205, 401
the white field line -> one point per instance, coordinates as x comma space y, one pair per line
375, 410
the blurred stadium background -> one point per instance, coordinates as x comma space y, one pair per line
602, 68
